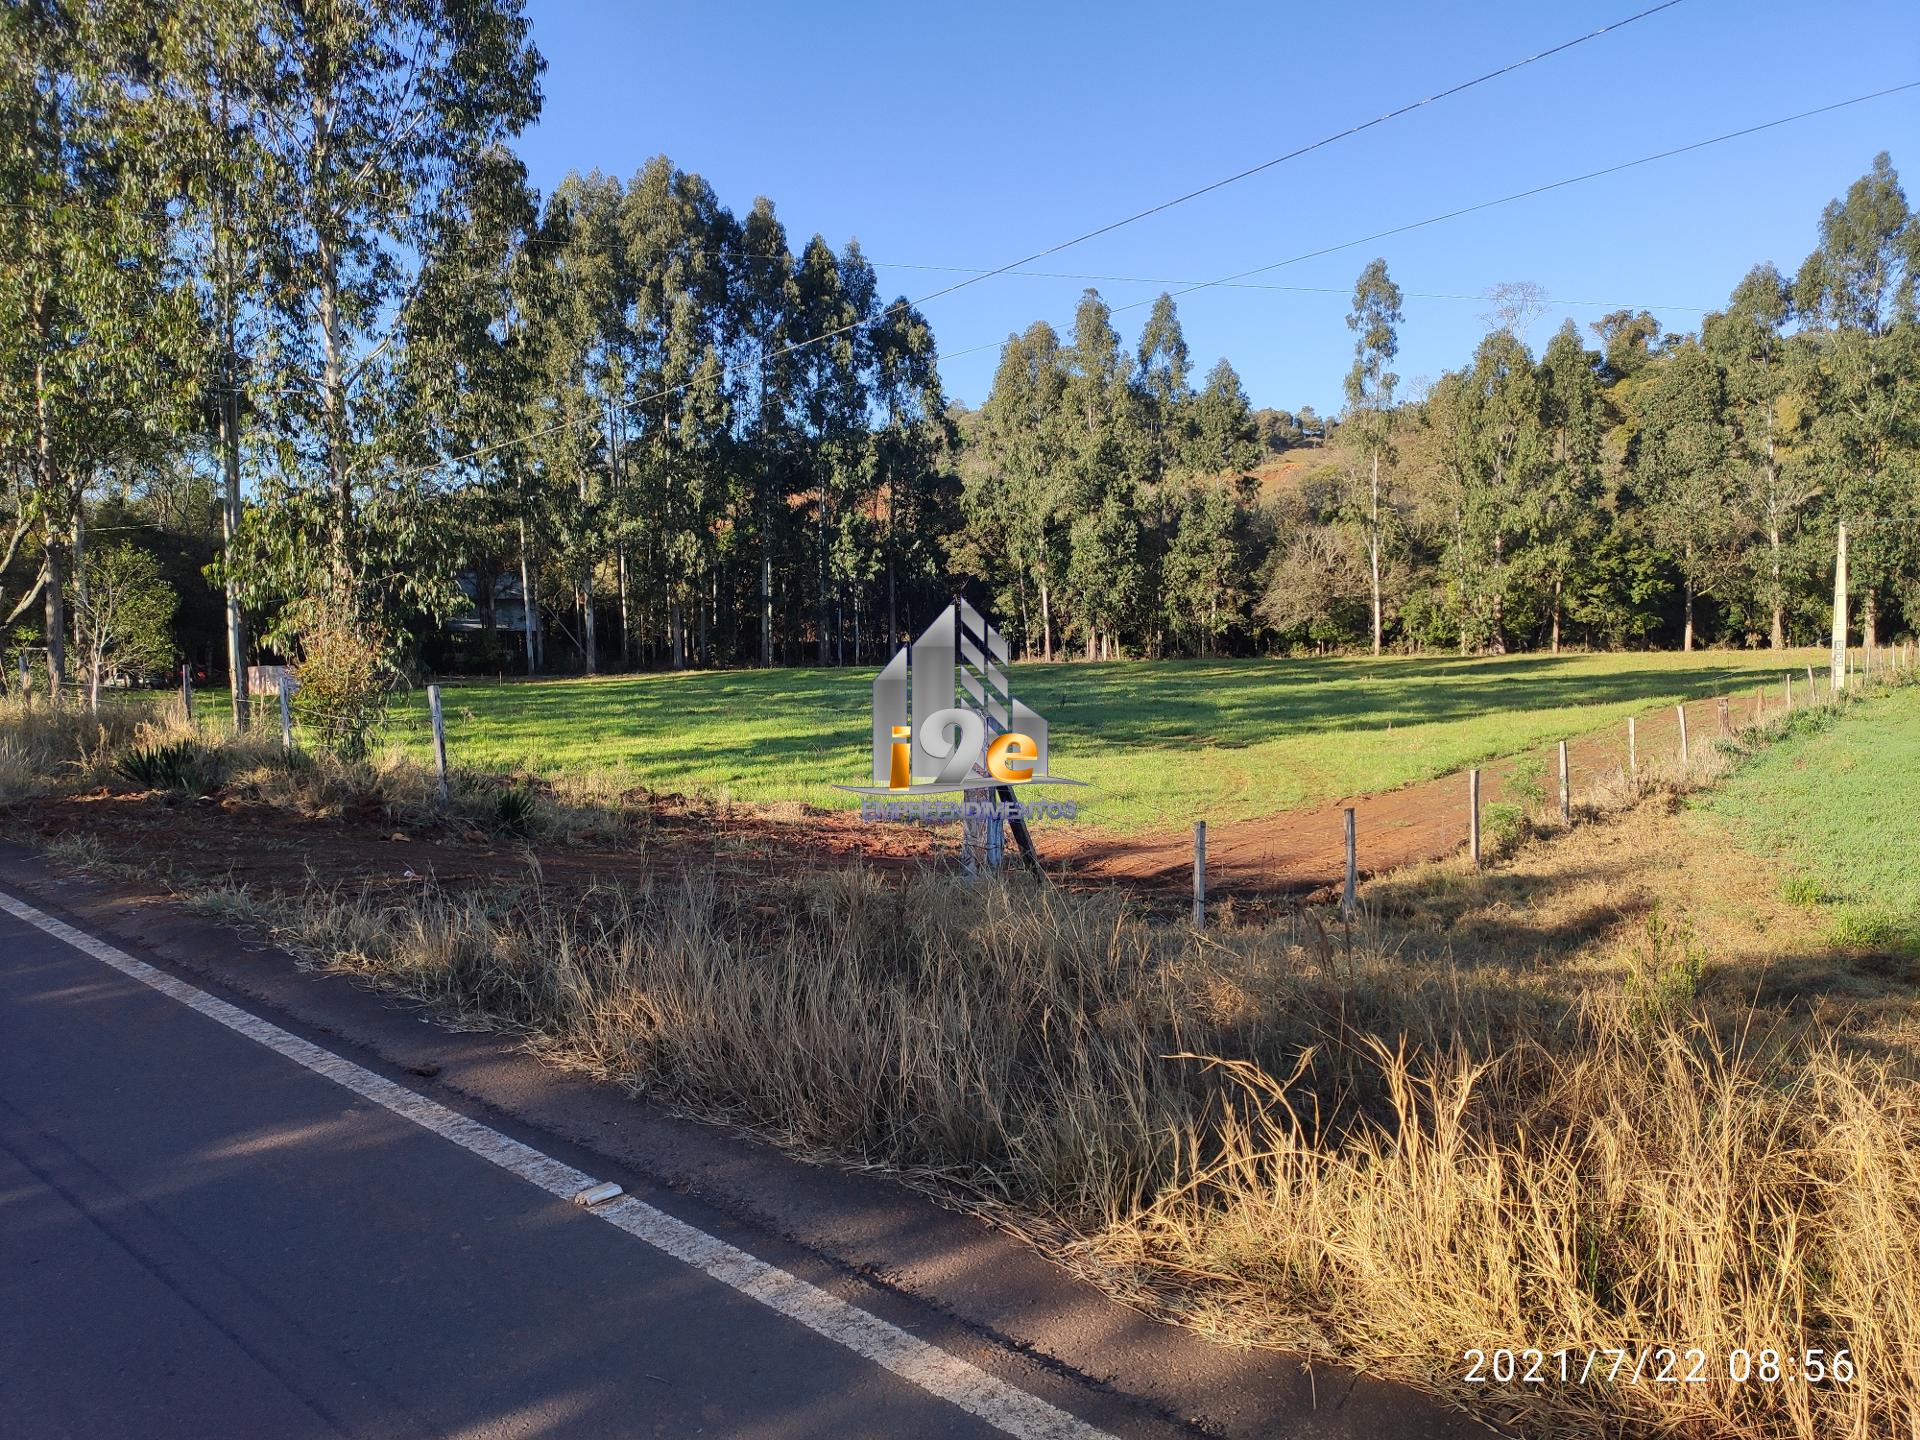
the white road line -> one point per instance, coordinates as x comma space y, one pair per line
932, 1369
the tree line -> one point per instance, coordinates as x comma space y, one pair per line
1624, 487
280, 310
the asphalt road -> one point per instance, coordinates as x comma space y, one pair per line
201, 1237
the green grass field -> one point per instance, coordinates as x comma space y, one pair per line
1158, 742
1839, 806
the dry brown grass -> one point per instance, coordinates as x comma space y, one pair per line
43, 750
1378, 1147
1604, 1093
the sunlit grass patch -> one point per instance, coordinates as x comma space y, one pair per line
1159, 742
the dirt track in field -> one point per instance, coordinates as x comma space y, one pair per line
1304, 850
1290, 854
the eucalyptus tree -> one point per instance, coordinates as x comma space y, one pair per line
378, 106
1375, 319
834, 298
1104, 569
471, 362
1856, 298
1490, 449
1775, 485
1016, 501
681, 324
766, 300
577, 343
1164, 407
95, 330
909, 455
212, 91
1564, 511
1682, 456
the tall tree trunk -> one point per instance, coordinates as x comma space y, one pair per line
56, 614
78, 568
588, 644
528, 610
1559, 582
333, 408
1046, 619
1373, 550
823, 616
1779, 638
626, 623
1687, 642
766, 574
229, 528
1498, 644
1869, 621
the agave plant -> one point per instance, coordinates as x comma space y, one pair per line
181, 765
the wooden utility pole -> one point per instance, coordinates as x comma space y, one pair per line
1840, 610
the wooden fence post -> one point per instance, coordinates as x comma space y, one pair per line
186, 691
1789, 692
1349, 899
1633, 755
1726, 725
1473, 816
1199, 874
1681, 711
1566, 792
286, 711
439, 739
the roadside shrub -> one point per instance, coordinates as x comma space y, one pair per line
180, 765
514, 810
344, 679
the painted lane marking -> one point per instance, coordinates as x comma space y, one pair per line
945, 1376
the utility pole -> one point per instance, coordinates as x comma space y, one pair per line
1839, 659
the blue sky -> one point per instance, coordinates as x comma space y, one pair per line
971, 135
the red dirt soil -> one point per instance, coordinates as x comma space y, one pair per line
1289, 854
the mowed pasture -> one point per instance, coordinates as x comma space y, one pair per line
1159, 743
1837, 810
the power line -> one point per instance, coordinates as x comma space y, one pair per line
1289, 289
1559, 184
1235, 280
1095, 233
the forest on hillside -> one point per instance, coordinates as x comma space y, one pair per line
295, 362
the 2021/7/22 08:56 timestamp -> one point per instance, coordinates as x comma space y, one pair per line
1657, 1365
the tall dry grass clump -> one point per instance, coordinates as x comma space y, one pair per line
1358, 1150
1626, 1193
42, 746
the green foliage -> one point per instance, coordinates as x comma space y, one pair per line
344, 678
184, 766
1528, 781
123, 614
1664, 968
514, 809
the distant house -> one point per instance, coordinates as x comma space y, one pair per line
509, 606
